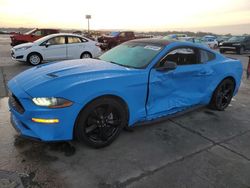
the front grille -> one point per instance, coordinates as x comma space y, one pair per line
15, 104
12, 53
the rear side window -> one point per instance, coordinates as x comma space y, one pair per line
72, 40
206, 56
183, 56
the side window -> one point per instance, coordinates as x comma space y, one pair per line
37, 33
182, 56
57, 40
206, 56
46, 32
72, 40
122, 35
129, 34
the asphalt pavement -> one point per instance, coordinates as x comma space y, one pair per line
201, 149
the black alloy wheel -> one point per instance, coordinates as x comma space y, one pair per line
223, 95
101, 122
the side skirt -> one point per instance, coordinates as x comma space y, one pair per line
164, 118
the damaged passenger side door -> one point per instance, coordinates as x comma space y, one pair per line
173, 89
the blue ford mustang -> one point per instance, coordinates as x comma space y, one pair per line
138, 81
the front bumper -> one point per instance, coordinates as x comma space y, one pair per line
228, 48
18, 56
22, 121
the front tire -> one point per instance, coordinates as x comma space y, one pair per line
223, 95
85, 55
34, 59
100, 123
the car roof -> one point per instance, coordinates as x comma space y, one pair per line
63, 34
56, 35
165, 43
152, 41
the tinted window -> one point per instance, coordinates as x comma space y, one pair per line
57, 40
206, 56
37, 33
182, 56
236, 39
122, 35
114, 34
130, 34
48, 32
74, 40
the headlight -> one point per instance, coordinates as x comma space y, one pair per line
52, 102
236, 44
23, 48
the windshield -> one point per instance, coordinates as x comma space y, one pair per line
135, 55
236, 39
114, 34
29, 32
43, 38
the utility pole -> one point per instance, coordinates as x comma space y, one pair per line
88, 17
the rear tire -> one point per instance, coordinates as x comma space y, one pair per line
100, 123
222, 95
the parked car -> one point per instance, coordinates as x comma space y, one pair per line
177, 36
53, 47
194, 40
209, 37
211, 42
222, 39
31, 36
138, 81
237, 44
173, 37
115, 38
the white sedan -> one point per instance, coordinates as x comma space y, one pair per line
212, 43
56, 47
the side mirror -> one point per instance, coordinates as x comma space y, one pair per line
167, 66
47, 44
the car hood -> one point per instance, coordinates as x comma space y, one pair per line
70, 72
23, 45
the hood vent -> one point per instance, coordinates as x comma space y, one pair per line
52, 75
